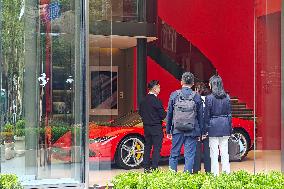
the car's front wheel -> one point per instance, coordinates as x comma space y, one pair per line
244, 141
130, 152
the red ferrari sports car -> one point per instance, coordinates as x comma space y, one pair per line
123, 144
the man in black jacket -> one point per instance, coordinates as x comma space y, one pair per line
152, 112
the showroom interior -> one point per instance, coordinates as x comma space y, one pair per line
73, 74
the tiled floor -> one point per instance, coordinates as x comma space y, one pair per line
265, 161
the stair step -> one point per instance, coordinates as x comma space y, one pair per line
238, 106
235, 104
234, 101
245, 118
242, 111
242, 115
241, 108
241, 103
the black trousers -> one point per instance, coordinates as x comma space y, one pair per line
206, 156
153, 139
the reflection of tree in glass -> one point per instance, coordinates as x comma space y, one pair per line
116, 10
12, 38
63, 70
130, 11
100, 9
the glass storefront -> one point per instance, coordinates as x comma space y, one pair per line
42, 110
268, 86
252, 48
49, 130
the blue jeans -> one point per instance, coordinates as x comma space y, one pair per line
189, 151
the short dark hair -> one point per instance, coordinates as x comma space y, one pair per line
152, 84
202, 88
187, 78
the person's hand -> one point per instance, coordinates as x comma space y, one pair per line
204, 136
169, 136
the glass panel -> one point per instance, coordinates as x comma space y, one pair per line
60, 149
111, 102
41, 96
178, 51
282, 88
103, 105
111, 87
115, 10
268, 85
116, 135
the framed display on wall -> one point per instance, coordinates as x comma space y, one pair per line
103, 90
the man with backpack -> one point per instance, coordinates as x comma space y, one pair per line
184, 122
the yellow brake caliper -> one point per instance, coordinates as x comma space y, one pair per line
138, 155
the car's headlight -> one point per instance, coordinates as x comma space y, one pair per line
100, 139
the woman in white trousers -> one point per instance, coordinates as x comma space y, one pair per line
218, 124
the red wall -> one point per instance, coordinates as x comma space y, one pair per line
167, 82
268, 81
224, 32
268, 64
155, 72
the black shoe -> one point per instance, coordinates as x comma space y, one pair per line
147, 170
154, 169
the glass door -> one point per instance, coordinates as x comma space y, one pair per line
42, 94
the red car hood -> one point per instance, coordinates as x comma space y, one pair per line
102, 131
95, 132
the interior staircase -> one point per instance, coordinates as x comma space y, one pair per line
171, 60
240, 110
